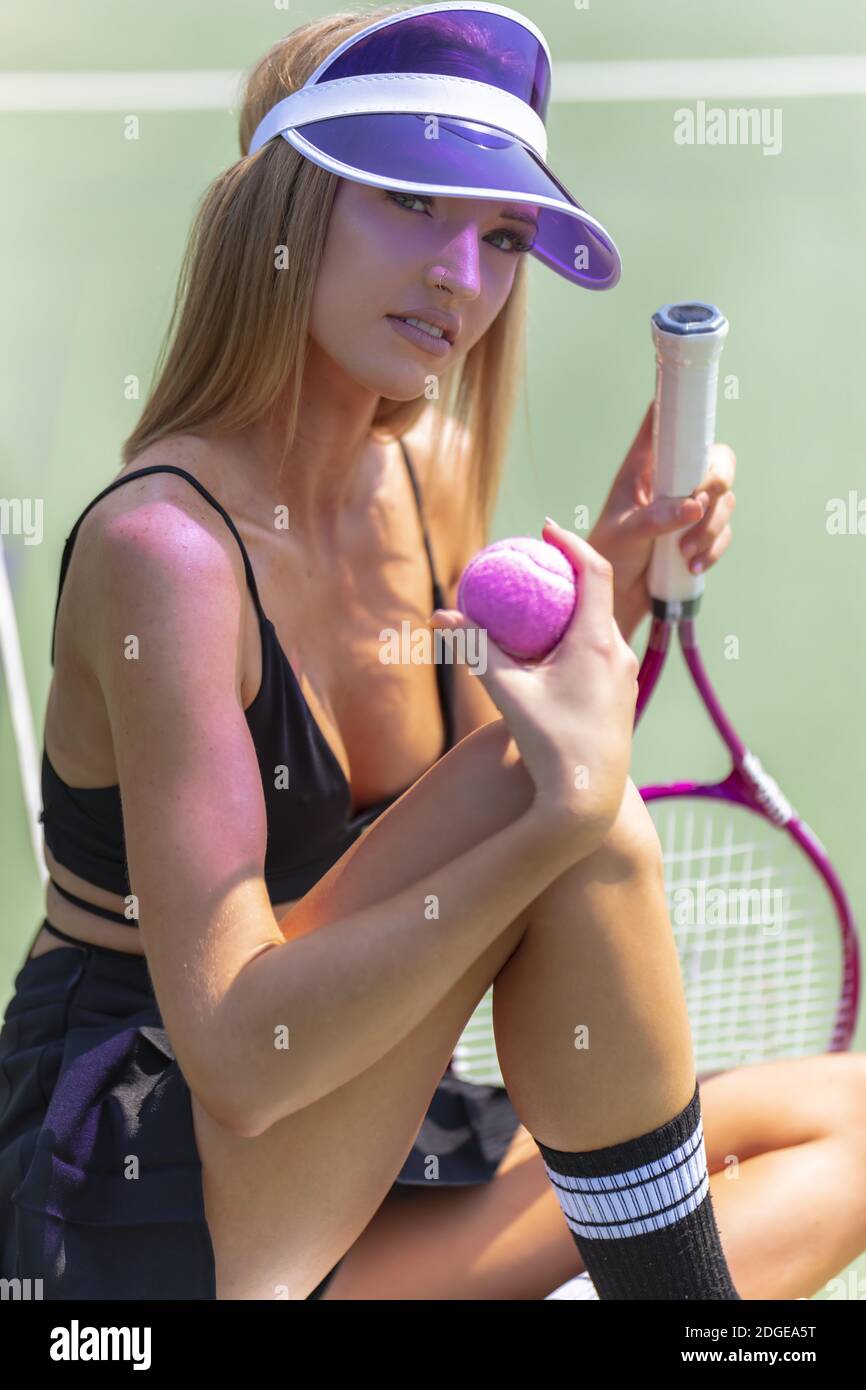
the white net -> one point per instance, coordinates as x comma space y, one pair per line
758, 938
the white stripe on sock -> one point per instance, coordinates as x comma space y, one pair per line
644, 1199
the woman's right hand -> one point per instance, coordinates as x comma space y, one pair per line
572, 713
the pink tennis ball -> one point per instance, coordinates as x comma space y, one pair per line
523, 591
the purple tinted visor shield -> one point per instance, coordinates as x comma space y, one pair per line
447, 100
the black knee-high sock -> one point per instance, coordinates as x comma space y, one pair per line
641, 1213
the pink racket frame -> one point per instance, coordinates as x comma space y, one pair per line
749, 786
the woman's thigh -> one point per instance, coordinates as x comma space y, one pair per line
777, 1105
502, 1240
284, 1206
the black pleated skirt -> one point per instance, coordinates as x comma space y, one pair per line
100, 1179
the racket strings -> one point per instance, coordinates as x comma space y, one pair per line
755, 930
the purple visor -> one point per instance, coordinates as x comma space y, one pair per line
448, 100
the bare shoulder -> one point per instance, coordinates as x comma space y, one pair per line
444, 483
163, 505
189, 453
152, 537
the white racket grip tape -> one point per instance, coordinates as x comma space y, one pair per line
688, 342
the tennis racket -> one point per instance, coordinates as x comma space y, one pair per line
765, 934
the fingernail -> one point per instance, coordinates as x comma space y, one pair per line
550, 522
688, 550
696, 566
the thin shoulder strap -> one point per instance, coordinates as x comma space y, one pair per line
438, 599
140, 473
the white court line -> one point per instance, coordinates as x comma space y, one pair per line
200, 90
645, 80
712, 78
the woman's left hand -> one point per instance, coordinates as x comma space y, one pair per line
630, 521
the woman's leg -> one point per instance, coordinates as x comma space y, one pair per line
794, 1215
284, 1206
789, 1148
609, 1055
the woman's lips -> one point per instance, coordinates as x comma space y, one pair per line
439, 347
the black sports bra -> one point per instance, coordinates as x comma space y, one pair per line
310, 823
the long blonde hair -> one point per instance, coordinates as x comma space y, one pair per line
238, 333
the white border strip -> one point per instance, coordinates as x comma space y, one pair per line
711, 78
128, 92
645, 80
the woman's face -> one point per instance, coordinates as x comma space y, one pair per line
383, 255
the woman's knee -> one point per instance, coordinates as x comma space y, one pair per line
844, 1082
630, 854
631, 846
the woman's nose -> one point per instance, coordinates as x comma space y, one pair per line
462, 258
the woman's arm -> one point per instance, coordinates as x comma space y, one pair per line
166, 639
352, 989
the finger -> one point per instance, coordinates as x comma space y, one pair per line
641, 455
643, 439
706, 559
722, 467
634, 477
645, 429
664, 515
699, 538
444, 617
594, 616
480, 651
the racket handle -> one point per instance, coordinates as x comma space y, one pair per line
688, 342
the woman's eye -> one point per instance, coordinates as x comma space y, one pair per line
518, 244
413, 197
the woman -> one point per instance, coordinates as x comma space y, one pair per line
213, 1081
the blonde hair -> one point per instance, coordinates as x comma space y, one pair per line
238, 333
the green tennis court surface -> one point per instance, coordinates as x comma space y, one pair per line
96, 225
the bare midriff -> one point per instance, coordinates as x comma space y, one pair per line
86, 926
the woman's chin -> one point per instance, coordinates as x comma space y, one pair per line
400, 385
